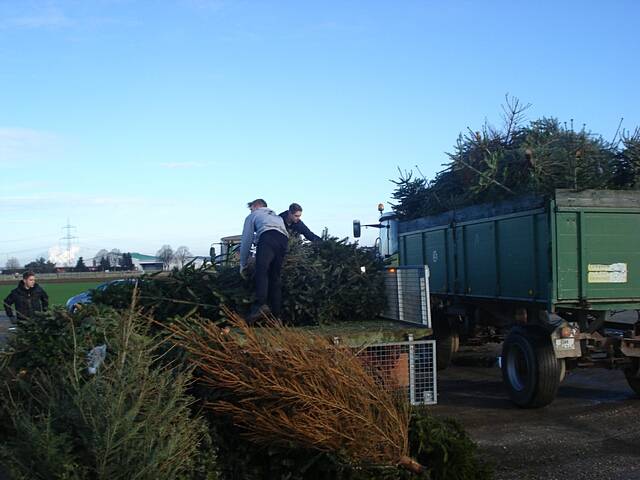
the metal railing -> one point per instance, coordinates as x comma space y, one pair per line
407, 292
405, 368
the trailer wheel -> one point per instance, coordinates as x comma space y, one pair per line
530, 369
632, 375
447, 342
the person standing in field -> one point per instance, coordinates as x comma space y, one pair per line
271, 238
292, 220
27, 298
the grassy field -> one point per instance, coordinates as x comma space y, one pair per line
58, 293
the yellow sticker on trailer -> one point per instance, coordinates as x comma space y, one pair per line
600, 273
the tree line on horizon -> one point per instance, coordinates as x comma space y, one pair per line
104, 260
42, 265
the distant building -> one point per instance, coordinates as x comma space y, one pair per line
146, 263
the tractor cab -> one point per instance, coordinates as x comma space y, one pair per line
387, 242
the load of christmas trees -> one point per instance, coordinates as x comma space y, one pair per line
537, 158
325, 282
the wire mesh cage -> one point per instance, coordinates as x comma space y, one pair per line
407, 292
406, 368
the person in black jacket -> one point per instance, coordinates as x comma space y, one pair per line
27, 298
295, 225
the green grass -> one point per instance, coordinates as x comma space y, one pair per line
58, 293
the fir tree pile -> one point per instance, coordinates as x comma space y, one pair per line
325, 282
536, 158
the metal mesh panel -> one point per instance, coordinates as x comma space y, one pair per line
406, 368
407, 292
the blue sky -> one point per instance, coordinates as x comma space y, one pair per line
148, 123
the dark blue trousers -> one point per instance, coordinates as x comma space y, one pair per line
272, 248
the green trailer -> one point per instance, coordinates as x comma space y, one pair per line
547, 273
577, 251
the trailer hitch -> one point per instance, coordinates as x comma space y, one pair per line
630, 347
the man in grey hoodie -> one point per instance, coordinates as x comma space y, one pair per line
272, 238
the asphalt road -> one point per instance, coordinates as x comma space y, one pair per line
591, 431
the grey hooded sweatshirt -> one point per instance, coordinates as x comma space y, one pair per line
258, 222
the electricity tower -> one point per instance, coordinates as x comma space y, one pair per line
68, 238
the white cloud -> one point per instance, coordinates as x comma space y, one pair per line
174, 165
34, 15
51, 20
208, 5
68, 199
20, 144
22, 186
50, 17
21, 221
62, 256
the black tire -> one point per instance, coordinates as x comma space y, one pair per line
632, 375
447, 342
530, 369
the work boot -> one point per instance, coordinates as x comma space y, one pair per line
258, 313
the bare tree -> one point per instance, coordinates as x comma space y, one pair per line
165, 254
115, 257
97, 258
12, 263
181, 255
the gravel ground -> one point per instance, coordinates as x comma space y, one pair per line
591, 431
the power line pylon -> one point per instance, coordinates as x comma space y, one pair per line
68, 238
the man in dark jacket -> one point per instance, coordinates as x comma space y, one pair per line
27, 298
295, 225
